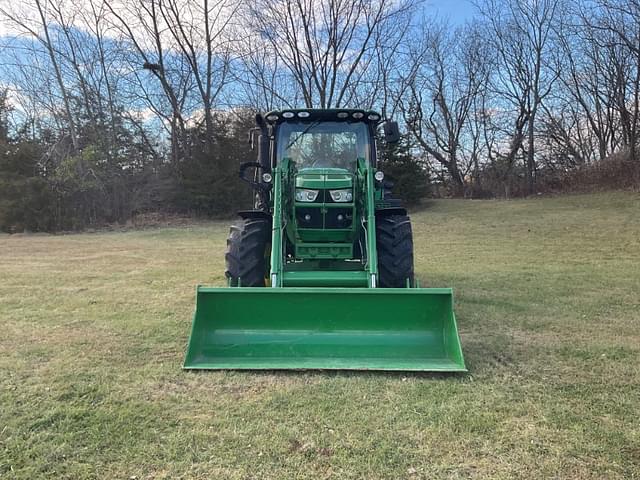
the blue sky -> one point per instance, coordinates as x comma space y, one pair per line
456, 10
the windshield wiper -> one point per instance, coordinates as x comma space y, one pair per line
304, 132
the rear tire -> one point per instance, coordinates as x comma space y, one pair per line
395, 251
247, 253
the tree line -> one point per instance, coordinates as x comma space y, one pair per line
110, 108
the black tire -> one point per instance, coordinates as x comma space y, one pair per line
247, 255
395, 251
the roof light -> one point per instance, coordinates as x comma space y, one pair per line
272, 118
303, 114
288, 115
358, 115
343, 114
373, 117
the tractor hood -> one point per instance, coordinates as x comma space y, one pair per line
324, 178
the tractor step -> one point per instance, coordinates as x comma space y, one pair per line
324, 328
355, 278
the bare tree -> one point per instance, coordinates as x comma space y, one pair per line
448, 75
581, 116
264, 83
621, 18
520, 32
198, 29
140, 24
328, 48
33, 18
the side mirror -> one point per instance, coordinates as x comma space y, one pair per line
251, 137
391, 131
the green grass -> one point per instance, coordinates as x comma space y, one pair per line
94, 328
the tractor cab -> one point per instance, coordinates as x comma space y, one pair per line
323, 156
326, 155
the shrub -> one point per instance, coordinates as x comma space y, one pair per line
408, 174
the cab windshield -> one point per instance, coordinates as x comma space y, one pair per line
323, 144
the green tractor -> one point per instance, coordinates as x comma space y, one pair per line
320, 272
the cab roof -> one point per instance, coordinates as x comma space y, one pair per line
325, 114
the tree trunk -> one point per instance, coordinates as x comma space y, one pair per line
530, 163
58, 74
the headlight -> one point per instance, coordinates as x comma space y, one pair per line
341, 195
303, 195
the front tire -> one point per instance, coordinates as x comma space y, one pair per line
395, 251
247, 255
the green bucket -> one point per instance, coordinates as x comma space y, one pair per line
412, 329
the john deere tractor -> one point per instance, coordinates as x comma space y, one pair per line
320, 272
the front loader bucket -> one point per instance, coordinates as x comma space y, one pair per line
325, 328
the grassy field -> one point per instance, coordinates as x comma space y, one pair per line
94, 328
